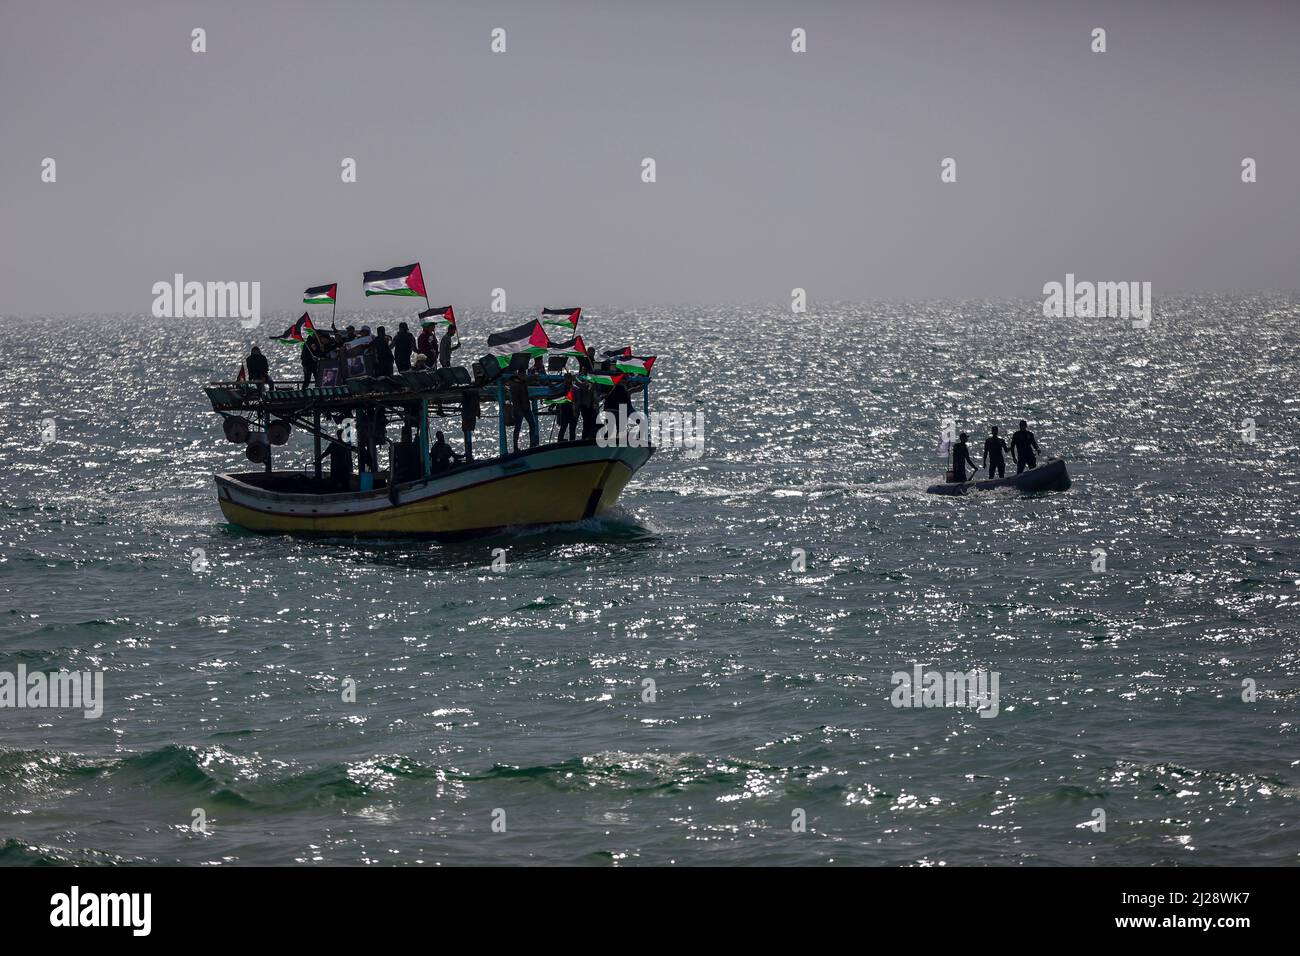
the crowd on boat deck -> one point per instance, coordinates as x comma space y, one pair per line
579, 400
1023, 447
378, 351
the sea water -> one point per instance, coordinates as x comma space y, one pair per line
706, 676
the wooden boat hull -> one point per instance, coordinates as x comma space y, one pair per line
1051, 475
550, 484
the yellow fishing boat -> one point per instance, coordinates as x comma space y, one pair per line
544, 484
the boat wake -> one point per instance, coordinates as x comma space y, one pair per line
615, 524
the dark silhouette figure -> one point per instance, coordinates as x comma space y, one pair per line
427, 345
445, 348
961, 458
383, 353
523, 410
585, 394
619, 398
440, 455
403, 346
1024, 447
469, 412
995, 449
310, 363
568, 413
259, 370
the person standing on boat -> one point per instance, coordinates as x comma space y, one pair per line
566, 413
469, 412
310, 362
383, 352
427, 345
619, 398
586, 364
523, 409
259, 370
403, 346
995, 448
961, 458
445, 348
1024, 446
585, 393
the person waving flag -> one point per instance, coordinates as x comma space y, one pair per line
297, 333
432, 318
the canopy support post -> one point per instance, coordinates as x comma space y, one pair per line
501, 417
426, 465
266, 419
316, 441
358, 431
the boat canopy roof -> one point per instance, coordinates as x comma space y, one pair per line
443, 386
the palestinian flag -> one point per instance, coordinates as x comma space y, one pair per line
404, 280
529, 337
567, 397
297, 333
635, 364
321, 294
610, 380
572, 348
434, 317
563, 318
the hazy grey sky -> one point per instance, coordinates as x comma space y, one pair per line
522, 170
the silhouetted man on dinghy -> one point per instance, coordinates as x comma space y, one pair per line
995, 448
1024, 447
961, 458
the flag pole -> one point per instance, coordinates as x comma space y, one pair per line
429, 305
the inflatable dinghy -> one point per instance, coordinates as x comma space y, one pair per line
1050, 475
